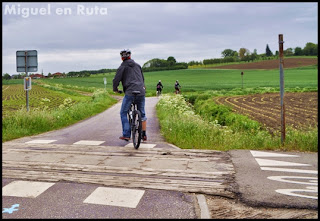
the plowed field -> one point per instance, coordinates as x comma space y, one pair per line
272, 64
301, 109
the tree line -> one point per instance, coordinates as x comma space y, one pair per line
229, 55
87, 73
157, 64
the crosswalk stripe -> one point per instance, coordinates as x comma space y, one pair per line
289, 170
89, 142
27, 189
41, 141
142, 145
268, 154
264, 162
115, 197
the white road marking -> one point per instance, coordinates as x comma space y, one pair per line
89, 142
289, 170
264, 162
115, 197
290, 192
142, 145
269, 154
25, 188
268, 165
312, 180
41, 141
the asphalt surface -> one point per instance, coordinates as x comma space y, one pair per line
173, 183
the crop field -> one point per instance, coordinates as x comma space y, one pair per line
301, 109
14, 98
272, 64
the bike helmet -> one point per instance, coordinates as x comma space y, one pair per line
125, 53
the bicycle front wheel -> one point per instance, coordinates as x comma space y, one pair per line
136, 129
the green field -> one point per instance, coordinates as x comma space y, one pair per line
14, 98
199, 80
196, 84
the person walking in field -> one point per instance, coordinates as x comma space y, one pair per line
132, 79
159, 88
177, 87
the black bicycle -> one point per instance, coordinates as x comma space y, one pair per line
135, 122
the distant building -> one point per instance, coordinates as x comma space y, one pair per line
58, 74
36, 76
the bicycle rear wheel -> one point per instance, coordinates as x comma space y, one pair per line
136, 129
130, 112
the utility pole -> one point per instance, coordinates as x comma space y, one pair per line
283, 124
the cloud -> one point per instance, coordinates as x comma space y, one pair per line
187, 31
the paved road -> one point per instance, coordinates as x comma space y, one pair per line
85, 171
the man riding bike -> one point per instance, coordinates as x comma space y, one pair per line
132, 79
177, 86
159, 87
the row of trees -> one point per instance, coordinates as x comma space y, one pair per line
229, 55
157, 64
84, 73
87, 73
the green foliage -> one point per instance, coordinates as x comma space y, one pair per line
298, 51
6, 76
268, 51
213, 112
191, 63
228, 53
171, 61
310, 49
157, 64
182, 126
87, 73
288, 52
219, 60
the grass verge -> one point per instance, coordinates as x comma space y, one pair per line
181, 126
36, 121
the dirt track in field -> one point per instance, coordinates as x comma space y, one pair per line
301, 109
271, 64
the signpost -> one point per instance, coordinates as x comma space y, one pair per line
105, 83
283, 124
27, 83
27, 61
242, 78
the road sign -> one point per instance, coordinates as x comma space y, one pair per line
27, 61
105, 80
27, 83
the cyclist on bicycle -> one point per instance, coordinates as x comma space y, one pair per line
159, 87
132, 79
177, 86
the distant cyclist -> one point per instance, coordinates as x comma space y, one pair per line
159, 87
131, 76
177, 87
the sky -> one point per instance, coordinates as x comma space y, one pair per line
89, 36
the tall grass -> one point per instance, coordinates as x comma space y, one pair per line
181, 126
36, 121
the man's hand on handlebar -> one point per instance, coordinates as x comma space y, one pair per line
118, 91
